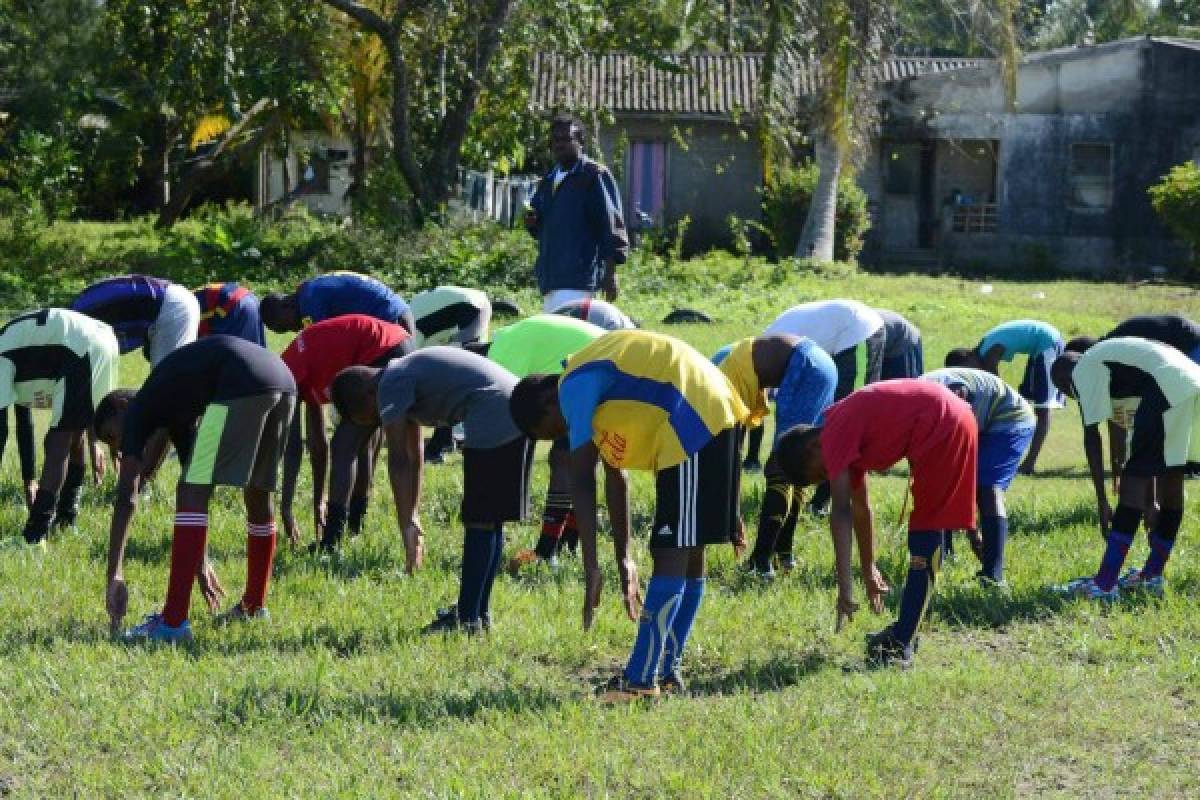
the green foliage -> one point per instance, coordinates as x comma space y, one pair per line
1176, 198
39, 178
383, 201
785, 207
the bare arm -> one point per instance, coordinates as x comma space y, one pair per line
841, 524
405, 465
1039, 438
124, 506
153, 455
318, 453
1093, 448
1117, 453
583, 497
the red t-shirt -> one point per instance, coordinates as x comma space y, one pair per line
873, 428
321, 351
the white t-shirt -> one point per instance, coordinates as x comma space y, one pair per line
835, 325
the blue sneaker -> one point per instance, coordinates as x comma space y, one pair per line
154, 629
1135, 581
1087, 588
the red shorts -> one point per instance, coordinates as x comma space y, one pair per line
943, 478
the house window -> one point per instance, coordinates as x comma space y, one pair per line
1091, 178
314, 176
648, 177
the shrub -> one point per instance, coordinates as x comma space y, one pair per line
785, 207
1176, 198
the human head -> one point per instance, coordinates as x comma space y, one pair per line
534, 407
1062, 370
566, 139
354, 393
798, 455
1080, 344
280, 312
964, 357
109, 419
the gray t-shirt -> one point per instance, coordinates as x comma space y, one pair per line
901, 334
447, 385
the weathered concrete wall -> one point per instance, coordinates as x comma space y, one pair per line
713, 171
333, 202
1141, 97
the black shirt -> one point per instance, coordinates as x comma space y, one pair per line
1169, 329
210, 370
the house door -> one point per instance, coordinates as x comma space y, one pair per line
909, 219
647, 178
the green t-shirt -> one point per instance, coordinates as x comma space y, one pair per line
541, 343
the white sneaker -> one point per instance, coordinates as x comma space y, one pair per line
239, 614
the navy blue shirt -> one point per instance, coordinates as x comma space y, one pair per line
579, 227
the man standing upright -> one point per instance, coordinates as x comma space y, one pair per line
576, 217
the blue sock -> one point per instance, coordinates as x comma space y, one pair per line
663, 596
478, 550
995, 535
1114, 558
924, 548
1162, 541
681, 628
485, 599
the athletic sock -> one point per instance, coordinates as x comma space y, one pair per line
570, 538
68, 499
995, 535
485, 599
554, 520
336, 516
260, 554
1162, 541
41, 516
479, 546
356, 513
947, 543
663, 596
787, 534
1114, 558
924, 554
776, 508
187, 552
681, 627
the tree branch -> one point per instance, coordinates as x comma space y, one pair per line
365, 17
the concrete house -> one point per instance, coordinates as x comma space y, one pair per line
1059, 179
315, 173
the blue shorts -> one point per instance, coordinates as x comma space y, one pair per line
807, 388
909, 364
1036, 386
1000, 454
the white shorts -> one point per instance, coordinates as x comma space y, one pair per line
176, 325
557, 298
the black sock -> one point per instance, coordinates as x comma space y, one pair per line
787, 535
479, 548
356, 513
335, 526
68, 500
995, 535
947, 543
820, 497
41, 516
776, 505
923, 549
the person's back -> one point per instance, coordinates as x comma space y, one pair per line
996, 405
338, 293
597, 312
128, 303
230, 309
450, 315
1170, 329
541, 343
321, 351
835, 325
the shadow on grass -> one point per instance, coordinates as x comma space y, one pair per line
761, 676
411, 709
972, 607
1058, 472
1024, 521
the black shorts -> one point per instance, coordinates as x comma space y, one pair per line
696, 503
496, 482
76, 387
1147, 447
860, 365
399, 351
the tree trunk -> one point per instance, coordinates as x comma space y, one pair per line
817, 237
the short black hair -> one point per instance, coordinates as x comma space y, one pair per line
1080, 344
960, 357
270, 307
790, 450
108, 406
570, 121
529, 400
349, 390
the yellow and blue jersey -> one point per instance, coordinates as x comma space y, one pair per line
648, 401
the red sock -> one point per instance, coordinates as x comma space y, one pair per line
187, 551
569, 525
260, 553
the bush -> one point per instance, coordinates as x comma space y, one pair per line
785, 207
1176, 198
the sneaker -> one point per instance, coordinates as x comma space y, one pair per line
990, 583
885, 650
154, 629
753, 570
522, 559
446, 621
1134, 581
786, 562
751, 466
672, 684
619, 690
1087, 588
239, 614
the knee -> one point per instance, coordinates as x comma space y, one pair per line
1168, 523
1126, 518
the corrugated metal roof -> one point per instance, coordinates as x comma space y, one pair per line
716, 84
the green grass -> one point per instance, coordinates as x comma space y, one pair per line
340, 696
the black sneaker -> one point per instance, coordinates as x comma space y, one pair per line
752, 569
751, 466
451, 612
450, 623
672, 684
619, 690
885, 650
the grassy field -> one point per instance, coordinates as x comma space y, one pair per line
340, 696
